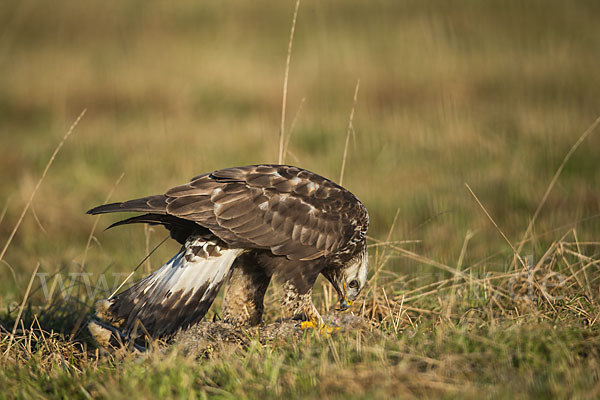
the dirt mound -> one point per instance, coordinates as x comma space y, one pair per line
207, 335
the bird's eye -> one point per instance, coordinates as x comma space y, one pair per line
353, 284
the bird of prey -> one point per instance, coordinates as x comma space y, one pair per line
246, 224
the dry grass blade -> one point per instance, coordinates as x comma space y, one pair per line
12, 270
350, 130
147, 233
380, 243
3, 213
289, 135
389, 235
516, 253
581, 139
380, 260
459, 264
39, 183
12, 335
580, 255
391, 313
139, 265
285, 84
38, 221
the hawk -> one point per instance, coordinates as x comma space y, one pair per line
246, 224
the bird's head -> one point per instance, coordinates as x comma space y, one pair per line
349, 279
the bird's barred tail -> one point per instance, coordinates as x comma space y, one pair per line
173, 297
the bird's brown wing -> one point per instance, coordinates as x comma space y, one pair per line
288, 210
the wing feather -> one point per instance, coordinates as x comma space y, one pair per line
277, 221
292, 212
176, 295
321, 241
239, 224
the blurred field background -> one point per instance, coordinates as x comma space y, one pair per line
488, 93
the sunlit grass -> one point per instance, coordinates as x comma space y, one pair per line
493, 95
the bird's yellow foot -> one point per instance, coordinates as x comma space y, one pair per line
324, 329
307, 324
328, 330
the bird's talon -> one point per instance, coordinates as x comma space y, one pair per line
306, 325
327, 330
323, 328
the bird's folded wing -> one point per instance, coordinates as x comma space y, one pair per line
290, 211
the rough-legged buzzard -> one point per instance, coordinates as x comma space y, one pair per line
245, 223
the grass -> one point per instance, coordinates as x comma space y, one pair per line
492, 95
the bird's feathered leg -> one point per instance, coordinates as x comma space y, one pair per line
298, 278
297, 303
243, 301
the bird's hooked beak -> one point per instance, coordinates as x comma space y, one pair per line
344, 302
339, 284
